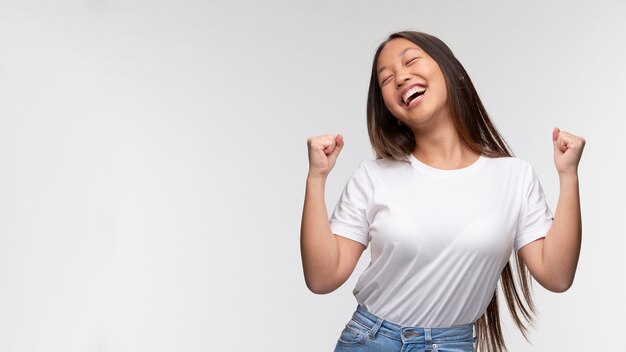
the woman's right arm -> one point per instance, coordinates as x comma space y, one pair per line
328, 260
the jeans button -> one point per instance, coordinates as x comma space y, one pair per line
408, 334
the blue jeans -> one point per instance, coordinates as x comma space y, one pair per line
366, 332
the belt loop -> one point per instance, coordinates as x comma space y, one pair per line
474, 332
428, 339
374, 330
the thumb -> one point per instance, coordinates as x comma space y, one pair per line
338, 145
555, 135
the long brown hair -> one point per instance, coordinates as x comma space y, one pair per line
471, 121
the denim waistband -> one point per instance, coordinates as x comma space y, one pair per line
412, 334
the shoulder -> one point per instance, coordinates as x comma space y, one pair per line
385, 164
382, 169
509, 163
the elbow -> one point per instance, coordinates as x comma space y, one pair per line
559, 289
319, 291
320, 286
555, 279
560, 286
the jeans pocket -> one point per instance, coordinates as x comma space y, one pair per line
353, 333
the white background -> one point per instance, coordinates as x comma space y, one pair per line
153, 161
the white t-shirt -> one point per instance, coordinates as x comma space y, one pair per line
439, 239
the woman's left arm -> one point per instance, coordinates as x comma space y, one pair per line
552, 260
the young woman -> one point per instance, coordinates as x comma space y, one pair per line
442, 207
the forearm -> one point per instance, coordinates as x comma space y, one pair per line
562, 244
318, 245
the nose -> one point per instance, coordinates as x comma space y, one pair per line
400, 79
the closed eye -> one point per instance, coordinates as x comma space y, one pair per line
411, 61
385, 81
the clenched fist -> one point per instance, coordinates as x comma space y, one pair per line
323, 152
568, 149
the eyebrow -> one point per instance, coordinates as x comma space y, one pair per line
399, 55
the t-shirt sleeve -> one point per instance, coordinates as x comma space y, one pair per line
536, 217
349, 218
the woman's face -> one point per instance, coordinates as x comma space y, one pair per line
412, 84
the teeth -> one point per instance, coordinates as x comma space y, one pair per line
416, 89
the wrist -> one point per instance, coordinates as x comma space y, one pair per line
567, 177
316, 178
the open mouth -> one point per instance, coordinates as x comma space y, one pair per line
412, 94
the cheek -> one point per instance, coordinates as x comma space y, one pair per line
439, 87
389, 100
441, 82
443, 92
390, 103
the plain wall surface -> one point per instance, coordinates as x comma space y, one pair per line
154, 160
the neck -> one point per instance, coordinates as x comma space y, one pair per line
441, 145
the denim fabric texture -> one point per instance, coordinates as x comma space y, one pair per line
366, 332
